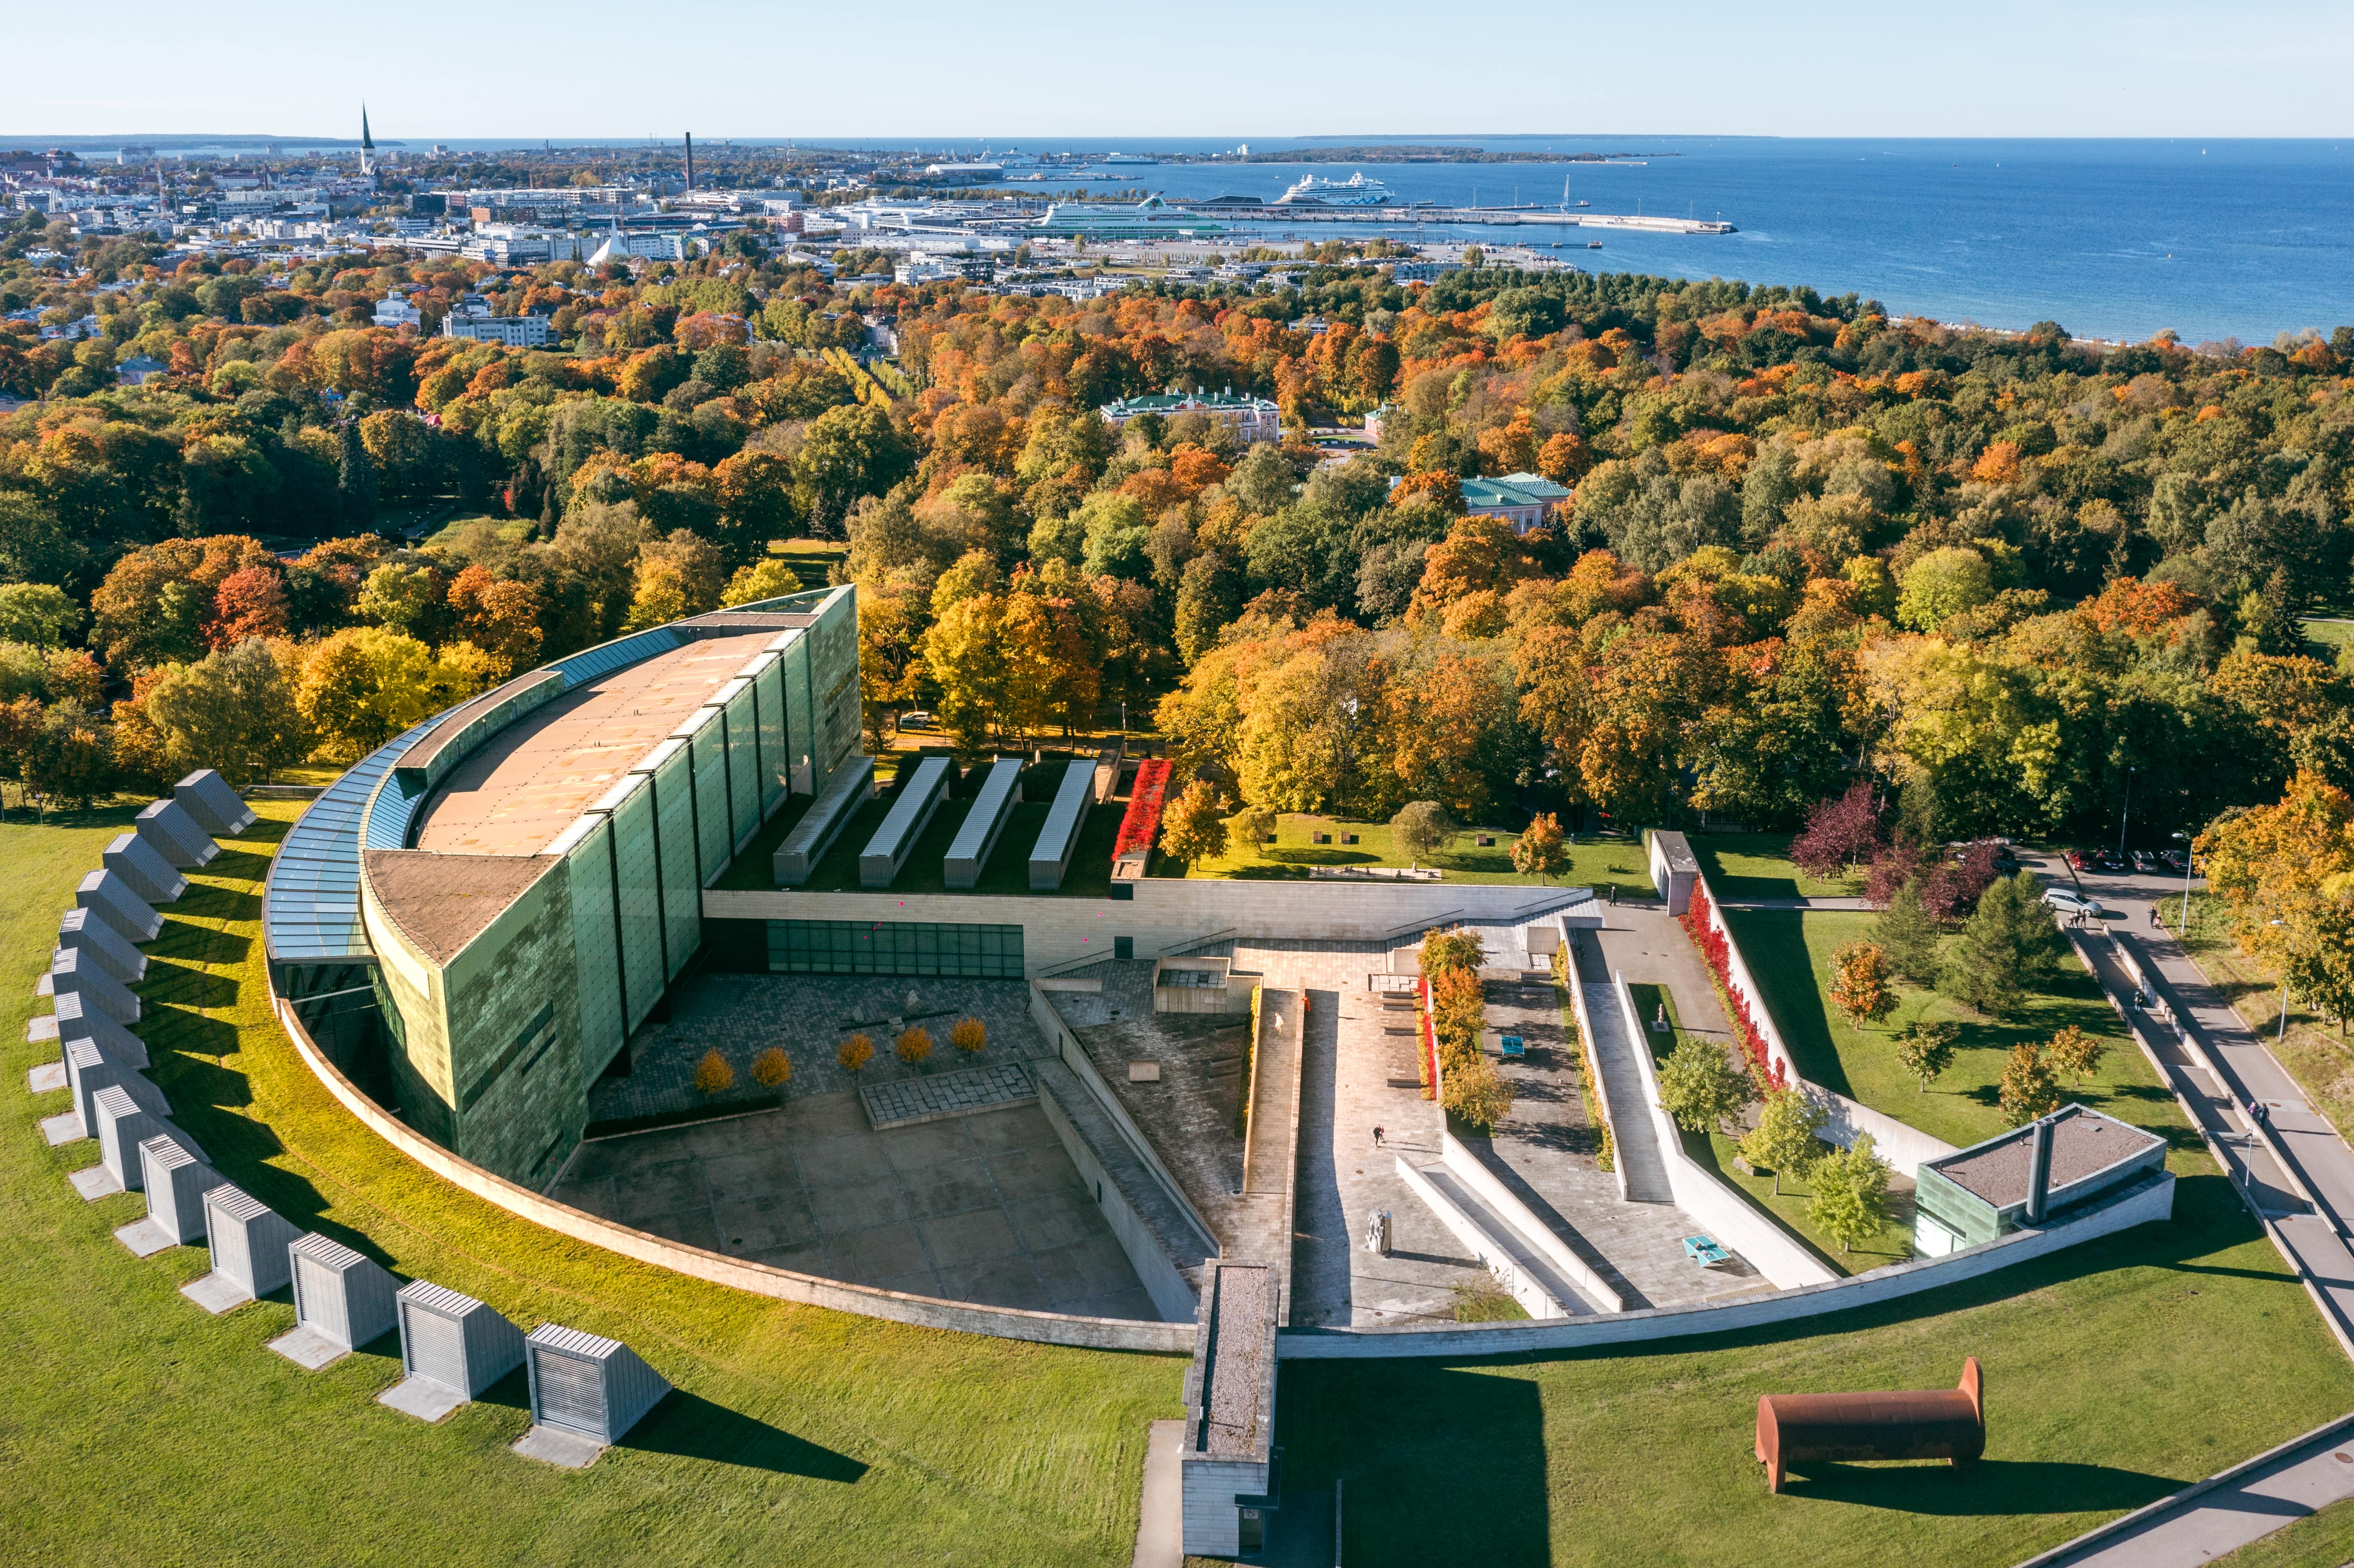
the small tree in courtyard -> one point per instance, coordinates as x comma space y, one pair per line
1191, 829
772, 1069
1926, 1050
1543, 849
1701, 1088
1785, 1136
2028, 1090
1421, 829
713, 1076
854, 1053
1452, 949
1859, 987
1254, 825
2076, 1054
914, 1047
1478, 1093
1851, 1200
969, 1035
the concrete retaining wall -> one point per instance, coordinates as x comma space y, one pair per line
1466, 1168
1590, 1065
1153, 1266
1534, 1300
1166, 914
1700, 1193
761, 1279
1905, 1149
2146, 1201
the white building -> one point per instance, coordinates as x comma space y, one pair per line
1252, 418
516, 331
395, 311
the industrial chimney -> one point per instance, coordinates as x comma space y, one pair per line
2039, 1168
690, 162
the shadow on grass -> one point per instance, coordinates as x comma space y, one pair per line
1774, 942
1493, 1507
1990, 1488
693, 1428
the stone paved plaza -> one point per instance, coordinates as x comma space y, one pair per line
741, 1016
903, 1102
985, 1207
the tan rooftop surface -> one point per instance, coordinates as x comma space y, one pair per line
1235, 1373
2081, 1145
528, 784
442, 901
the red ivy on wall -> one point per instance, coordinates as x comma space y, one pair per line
1142, 820
1710, 941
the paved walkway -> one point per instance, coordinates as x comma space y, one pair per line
2312, 1161
1358, 1076
2268, 1493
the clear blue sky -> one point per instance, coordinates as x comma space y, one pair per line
723, 68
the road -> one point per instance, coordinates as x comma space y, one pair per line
2297, 1175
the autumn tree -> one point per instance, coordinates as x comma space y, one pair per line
2027, 1089
234, 711
915, 1043
969, 1035
772, 1069
713, 1076
363, 685
1840, 834
1192, 830
1541, 850
854, 1053
499, 616
1907, 936
2076, 1052
1860, 988
2286, 874
1479, 1094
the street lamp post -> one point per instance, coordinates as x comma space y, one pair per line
2127, 815
2188, 860
2281, 1038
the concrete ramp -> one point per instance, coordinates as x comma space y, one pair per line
1634, 1139
1523, 1270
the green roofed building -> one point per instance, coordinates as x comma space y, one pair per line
472, 919
1524, 500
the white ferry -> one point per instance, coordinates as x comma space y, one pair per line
1354, 191
1109, 220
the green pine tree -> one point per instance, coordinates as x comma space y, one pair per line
1908, 936
2004, 948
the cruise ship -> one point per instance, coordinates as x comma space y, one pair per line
1318, 191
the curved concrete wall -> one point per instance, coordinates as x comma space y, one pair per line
761, 1279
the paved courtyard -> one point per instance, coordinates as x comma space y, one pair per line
810, 1016
985, 1207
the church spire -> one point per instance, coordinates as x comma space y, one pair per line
368, 144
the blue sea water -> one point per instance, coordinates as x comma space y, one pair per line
2115, 239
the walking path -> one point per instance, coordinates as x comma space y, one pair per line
2222, 1514
1634, 1139
2299, 1183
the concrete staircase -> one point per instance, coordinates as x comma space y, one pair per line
1478, 1227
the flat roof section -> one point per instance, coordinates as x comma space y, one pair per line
2082, 1144
528, 782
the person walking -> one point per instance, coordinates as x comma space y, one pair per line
2155, 923
1377, 1137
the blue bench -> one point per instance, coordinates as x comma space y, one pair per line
1513, 1047
1704, 1252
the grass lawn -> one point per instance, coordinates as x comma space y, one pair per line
1790, 951
139, 1430
2117, 1373
2321, 1058
1008, 871
2325, 639
1757, 865
1591, 863
464, 527
811, 559
1714, 1152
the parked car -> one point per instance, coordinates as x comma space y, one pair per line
2177, 860
2149, 861
2067, 901
920, 719
2082, 859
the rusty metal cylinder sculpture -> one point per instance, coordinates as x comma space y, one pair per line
1926, 1423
